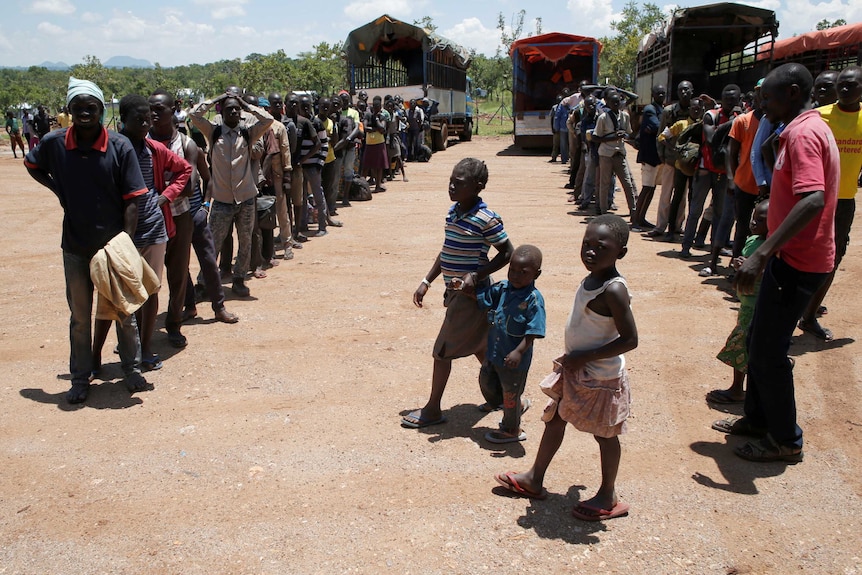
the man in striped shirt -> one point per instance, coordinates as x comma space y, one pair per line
471, 229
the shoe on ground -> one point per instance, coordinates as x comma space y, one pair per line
646, 225
240, 289
320, 234
655, 233
705, 272
614, 207
569, 186
685, 253
225, 316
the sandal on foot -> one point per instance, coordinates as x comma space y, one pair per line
416, 421
817, 330
136, 382
738, 426
821, 311
78, 393
508, 481
488, 408
586, 512
176, 339
501, 436
152, 363
766, 450
723, 396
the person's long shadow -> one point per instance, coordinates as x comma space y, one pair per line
552, 518
105, 395
806, 343
739, 475
460, 421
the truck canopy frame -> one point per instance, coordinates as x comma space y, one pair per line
390, 53
723, 43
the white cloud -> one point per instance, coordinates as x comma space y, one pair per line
125, 28
91, 17
226, 12
240, 31
598, 14
51, 7
800, 16
224, 9
358, 11
50, 29
471, 33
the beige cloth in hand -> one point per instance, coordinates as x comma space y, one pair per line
123, 279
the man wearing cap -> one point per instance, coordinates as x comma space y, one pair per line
96, 177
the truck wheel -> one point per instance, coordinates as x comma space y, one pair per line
441, 138
467, 133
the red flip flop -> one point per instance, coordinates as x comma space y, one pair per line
508, 481
586, 512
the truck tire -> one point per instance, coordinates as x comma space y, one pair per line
440, 138
467, 133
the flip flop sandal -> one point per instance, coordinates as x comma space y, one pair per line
738, 426
721, 396
817, 331
152, 363
766, 450
504, 437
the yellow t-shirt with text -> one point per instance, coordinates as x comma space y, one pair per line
847, 129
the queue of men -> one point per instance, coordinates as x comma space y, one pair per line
259, 164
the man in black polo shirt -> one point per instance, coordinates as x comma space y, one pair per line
95, 175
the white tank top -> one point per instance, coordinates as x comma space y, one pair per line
177, 145
587, 330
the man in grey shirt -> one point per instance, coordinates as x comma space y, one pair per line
233, 186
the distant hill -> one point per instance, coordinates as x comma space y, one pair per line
127, 62
54, 65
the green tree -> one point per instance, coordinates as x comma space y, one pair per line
322, 70
267, 73
511, 32
826, 24
620, 51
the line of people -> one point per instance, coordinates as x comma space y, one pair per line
153, 193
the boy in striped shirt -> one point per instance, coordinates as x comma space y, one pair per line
471, 229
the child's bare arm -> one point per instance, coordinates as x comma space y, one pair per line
504, 254
420, 292
616, 298
513, 358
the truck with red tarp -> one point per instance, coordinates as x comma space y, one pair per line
390, 57
542, 66
830, 49
710, 46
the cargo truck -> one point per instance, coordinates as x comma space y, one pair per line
542, 66
387, 56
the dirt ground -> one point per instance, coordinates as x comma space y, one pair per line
273, 446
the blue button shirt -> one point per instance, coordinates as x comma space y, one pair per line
513, 314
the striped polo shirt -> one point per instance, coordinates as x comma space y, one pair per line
469, 236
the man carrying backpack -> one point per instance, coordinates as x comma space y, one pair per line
712, 173
233, 186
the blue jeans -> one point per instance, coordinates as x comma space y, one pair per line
588, 189
79, 295
703, 182
725, 220
770, 402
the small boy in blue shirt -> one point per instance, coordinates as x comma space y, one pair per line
516, 311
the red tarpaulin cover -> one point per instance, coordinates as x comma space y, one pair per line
820, 40
553, 46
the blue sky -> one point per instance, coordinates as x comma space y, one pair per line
199, 31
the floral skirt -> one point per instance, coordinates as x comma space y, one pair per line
735, 351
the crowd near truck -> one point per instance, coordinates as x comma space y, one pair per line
387, 56
710, 46
830, 49
542, 67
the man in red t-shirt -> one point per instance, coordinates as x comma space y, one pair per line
794, 261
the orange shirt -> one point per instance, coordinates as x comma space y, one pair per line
743, 130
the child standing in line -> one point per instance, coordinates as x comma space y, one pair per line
516, 311
735, 351
590, 387
471, 229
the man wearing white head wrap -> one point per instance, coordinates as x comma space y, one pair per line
83, 87
96, 176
